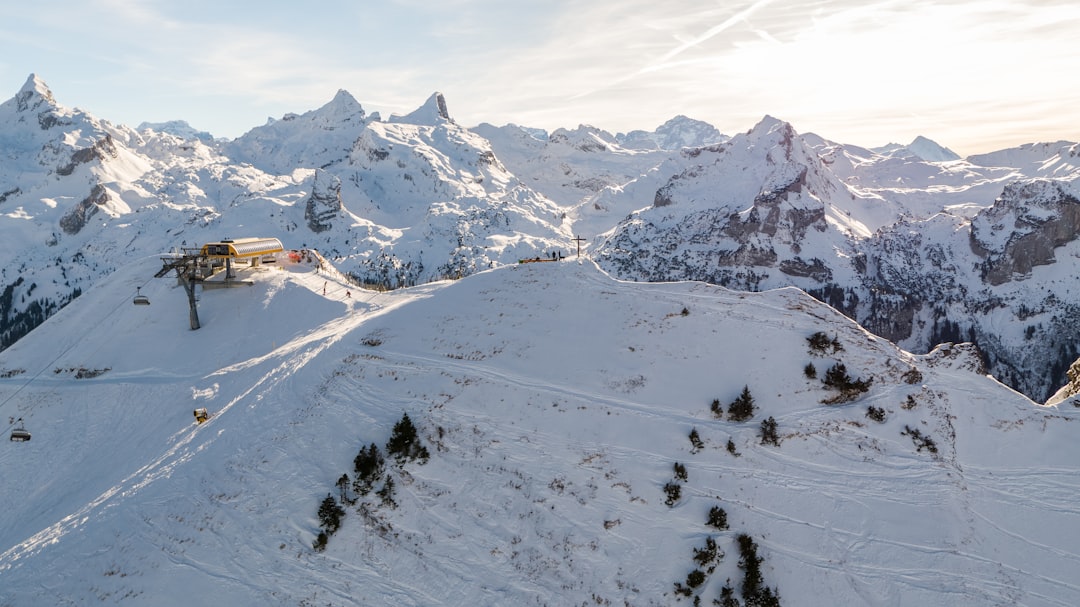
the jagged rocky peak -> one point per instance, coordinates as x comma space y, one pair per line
780, 138
432, 113
342, 108
33, 94
1026, 223
769, 124
585, 138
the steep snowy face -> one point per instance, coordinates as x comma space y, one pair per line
1059, 160
904, 185
461, 210
772, 221
572, 168
310, 140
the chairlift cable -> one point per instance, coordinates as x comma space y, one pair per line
26, 413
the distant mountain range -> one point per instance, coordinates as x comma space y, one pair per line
918, 245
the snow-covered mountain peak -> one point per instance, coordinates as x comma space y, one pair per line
767, 125
928, 149
342, 108
431, 113
585, 138
178, 128
313, 139
33, 94
677, 133
920, 147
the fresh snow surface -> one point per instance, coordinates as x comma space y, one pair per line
554, 402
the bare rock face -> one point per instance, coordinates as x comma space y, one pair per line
102, 149
76, 219
1021, 230
324, 204
1070, 389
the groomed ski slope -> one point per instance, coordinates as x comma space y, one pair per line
555, 402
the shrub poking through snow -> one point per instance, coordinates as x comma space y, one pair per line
708, 556
875, 413
921, 442
680, 472
717, 518
838, 379
695, 441
822, 344
673, 491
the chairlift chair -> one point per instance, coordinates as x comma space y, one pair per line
19, 433
140, 299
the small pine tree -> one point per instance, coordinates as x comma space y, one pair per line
707, 557
330, 514
386, 493
717, 408
837, 376
404, 442
320, 541
768, 432
742, 408
343, 487
369, 466
750, 563
731, 448
727, 596
810, 371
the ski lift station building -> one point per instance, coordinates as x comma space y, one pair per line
242, 248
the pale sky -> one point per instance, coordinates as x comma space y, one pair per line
974, 76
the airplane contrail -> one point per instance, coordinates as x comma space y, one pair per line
713, 31
663, 61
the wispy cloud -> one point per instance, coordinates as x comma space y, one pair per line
847, 69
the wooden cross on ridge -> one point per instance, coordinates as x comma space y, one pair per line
578, 240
